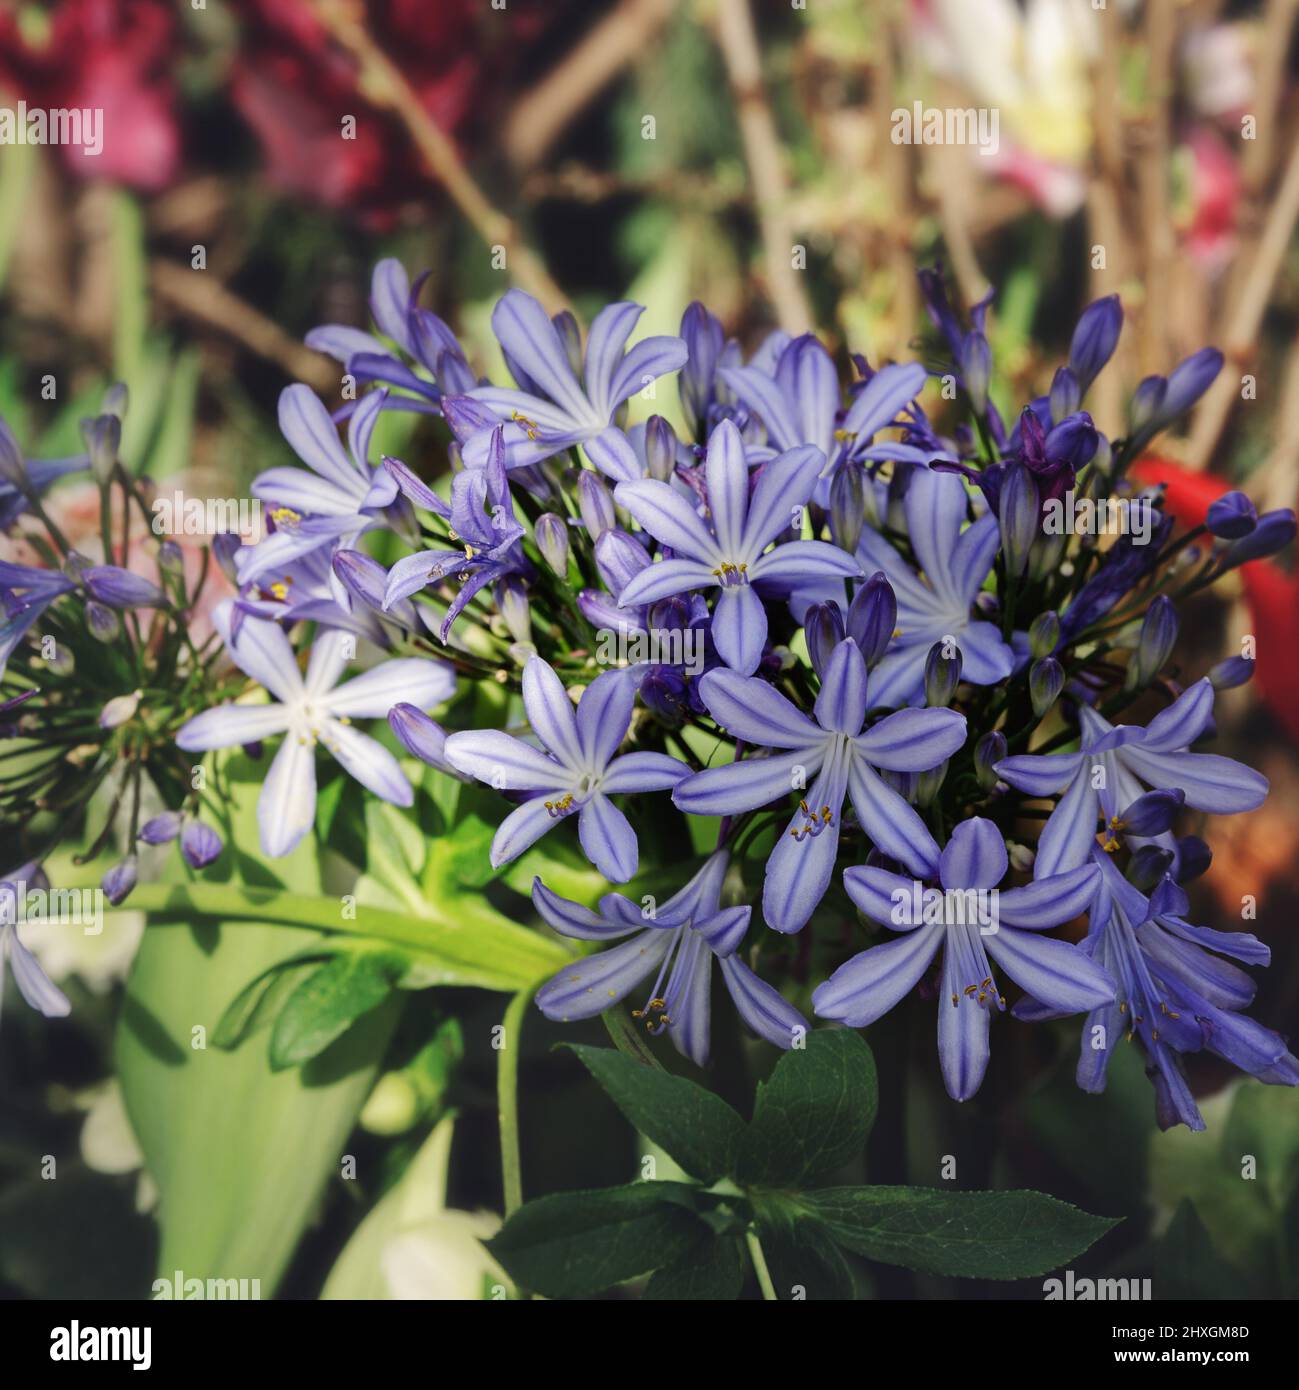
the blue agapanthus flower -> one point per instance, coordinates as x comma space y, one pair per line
843, 759
1114, 765
1176, 994
1007, 926
20, 476
576, 775
25, 593
677, 943
35, 986
732, 553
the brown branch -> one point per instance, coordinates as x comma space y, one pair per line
762, 149
541, 114
380, 81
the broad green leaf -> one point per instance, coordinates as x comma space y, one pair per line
571, 1244
813, 1115
710, 1270
974, 1235
803, 1261
329, 1001
698, 1129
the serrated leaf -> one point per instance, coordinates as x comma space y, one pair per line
711, 1270
571, 1244
695, 1127
329, 1001
973, 1235
813, 1115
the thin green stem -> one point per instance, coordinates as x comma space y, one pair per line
760, 1265
507, 1098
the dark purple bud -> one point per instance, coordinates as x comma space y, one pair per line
199, 844
361, 575
102, 623
103, 437
1020, 511
1158, 634
118, 882
1148, 866
619, 558
976, 368
1193, 858
873, 617
668, 614
847, 505
171, 559
704, 341
988, 752
1094, 339
824, 630
420, 736
1234, 671
1073, 441
552, 540
1188, 381
1045, 682
1232, 516
942, 674
120, 588
1275, 531
660, 448
512, 601
595, 502
162, 829
1147, 404
1044, 634
1153, 813
225, 546
664, 693
1066, 395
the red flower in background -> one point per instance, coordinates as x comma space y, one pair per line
115, 55
1271, 593
294, 87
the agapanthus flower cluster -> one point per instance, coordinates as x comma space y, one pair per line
812, 661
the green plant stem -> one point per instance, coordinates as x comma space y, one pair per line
507, 1099
760, 1265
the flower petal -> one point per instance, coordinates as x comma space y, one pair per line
643, 772
669, 518
551, 713
975, 856
1210, 781
761, 1006
505, 762
226, 726
605, 343
1047, 902
1182, 722
313, 436
841, 702
873, 891
891, 822
572, 919
603, 717
873, 981
755, 711
913, 740
521, 829
286, 808
1040, 774
1066, 839
409, 680
783, 488
1054, 972
369, 762
665, 578
727, 476
529, 338
261, 651
743, 786
595, 983
608, 840
739, 629
963, 1049
802, 863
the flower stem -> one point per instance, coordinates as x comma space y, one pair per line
507, 1099
760, 1265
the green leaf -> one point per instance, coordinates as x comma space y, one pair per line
258, 1002
698, 1129
710, 1270
571, 1244
803, 1261
813, 1115
1187, 1266
973, 1235
329, 1001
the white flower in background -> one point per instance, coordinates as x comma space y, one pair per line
99, 960
108, 1143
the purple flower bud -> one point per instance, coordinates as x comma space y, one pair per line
1020, 511
664, 693
420, 736
552, 540
823, 627
1148, 866
1044, 634
1153, 813
116, 400
1045, 682
1066, 395
119, 710
199, 844
1232, 516
1188, 381
103, 437
1275, 530
162, 829
120, 588
847, 505
988, 752
102, 623
660, 448
171, 559
1234, 671
225, 546
361, 575
669, 614
619, 558
118, 882
1073, 441
1147, 402
1094, 339
1158, 634
512, 601
1193, 858
595, 502
942, 675
873, 617
704, 340
976, 368
12, 469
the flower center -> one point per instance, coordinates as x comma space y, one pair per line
814, 822
731, 575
